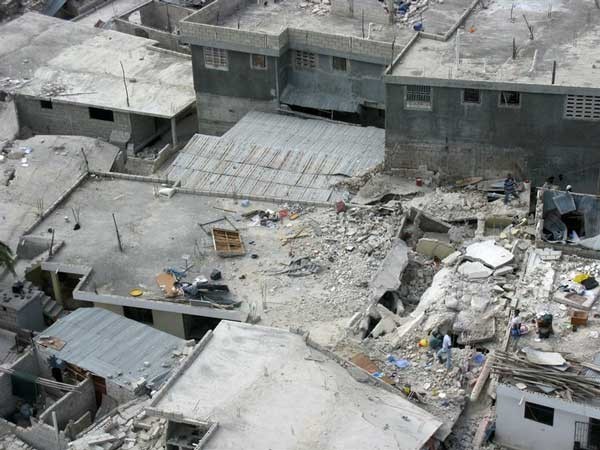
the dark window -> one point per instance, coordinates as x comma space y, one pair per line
46, 104
138, 314
340, 64
258, 62
471, 96
510, 98
539, 413
102, 114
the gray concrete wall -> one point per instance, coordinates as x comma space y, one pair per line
72, 405
515, 431
362, 80
7, 400
162, 16
40, 436
117, 309
218, 113
166, 39
31, 316
371, 10
533, 141
67, 119
239, 81
169, 322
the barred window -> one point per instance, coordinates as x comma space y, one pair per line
305, 60
339, 64
418, 97
582, 107
215, 58
510, 99
258, 62
471, 96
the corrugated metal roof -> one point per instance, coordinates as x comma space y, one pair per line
279, 157
112, 346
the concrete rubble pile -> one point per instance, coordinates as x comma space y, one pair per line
126, 427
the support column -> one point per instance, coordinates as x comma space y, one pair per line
174, 131
56, 288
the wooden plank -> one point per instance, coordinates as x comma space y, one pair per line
227, 242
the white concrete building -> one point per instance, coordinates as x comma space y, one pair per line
528, 420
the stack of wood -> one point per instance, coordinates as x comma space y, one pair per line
569, 385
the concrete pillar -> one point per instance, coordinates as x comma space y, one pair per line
174, 131
118, 309
169, 322
56, 288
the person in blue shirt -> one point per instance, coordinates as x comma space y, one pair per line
510, 188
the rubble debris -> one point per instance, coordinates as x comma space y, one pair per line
543, 358
434, 248
474, 270
389, 276
489, 253
567, 385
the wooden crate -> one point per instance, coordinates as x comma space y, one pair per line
228, 243
579, 318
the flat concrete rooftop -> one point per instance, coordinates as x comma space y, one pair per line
565, 31
49, 58
156, 233
276, 392
51, 169
274, 17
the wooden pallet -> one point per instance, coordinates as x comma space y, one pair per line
228, 243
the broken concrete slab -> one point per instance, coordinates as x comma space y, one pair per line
489, 253
389, 275
544, 358
474, 270
434, 248
427, 222
451, 259
503, 271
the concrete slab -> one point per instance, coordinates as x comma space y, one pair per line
53, 166
485, 46
474, 270
489, 253
77, 64
435, 248
275, 392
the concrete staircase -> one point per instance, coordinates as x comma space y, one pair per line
52, 310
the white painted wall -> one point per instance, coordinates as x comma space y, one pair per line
515, 431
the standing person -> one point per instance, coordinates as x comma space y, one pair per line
510, 188
447, 350
515, 324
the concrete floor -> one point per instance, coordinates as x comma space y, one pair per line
276, 392
53, 166
108, 11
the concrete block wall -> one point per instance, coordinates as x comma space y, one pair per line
41, 436
72, 405
166, 39
218, 113
372, 9
7, 400
163, 16
532, 141
67, 119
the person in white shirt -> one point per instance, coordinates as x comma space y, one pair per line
447, 350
